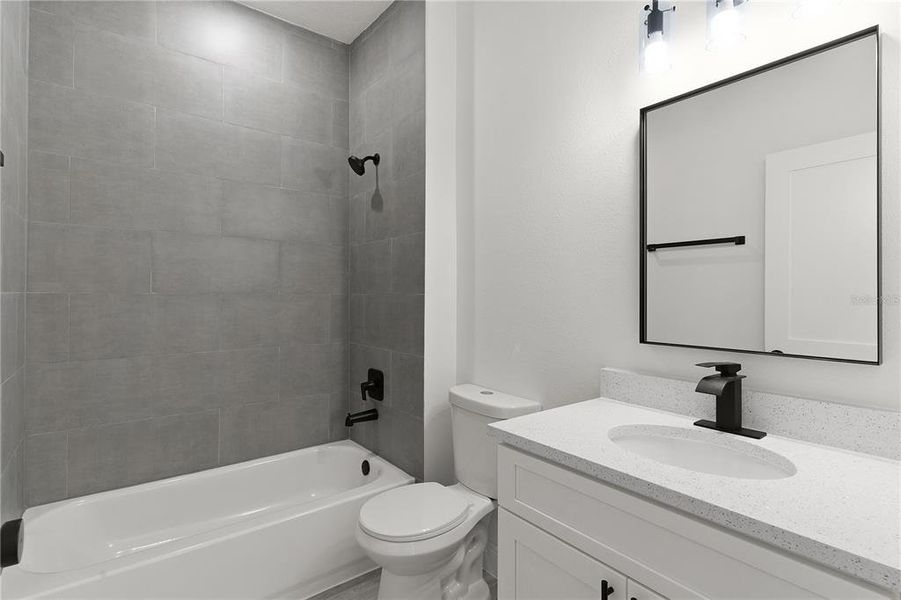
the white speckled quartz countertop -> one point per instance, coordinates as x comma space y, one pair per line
841, 509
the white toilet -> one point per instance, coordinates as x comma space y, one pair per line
428, 538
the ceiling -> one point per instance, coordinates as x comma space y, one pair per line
341, 20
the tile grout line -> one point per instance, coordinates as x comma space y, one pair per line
68, 328
219, 436
68, 453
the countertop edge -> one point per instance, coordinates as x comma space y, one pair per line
874, 573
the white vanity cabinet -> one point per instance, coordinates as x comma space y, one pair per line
567, 536
541, 567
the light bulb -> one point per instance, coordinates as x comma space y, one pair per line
725, 28
656, 54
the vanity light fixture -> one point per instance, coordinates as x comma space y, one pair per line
656, 30
725, 24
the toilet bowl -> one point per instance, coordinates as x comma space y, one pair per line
428, 538
429, 541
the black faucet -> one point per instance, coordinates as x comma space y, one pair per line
359, 417
726, 386
373, 387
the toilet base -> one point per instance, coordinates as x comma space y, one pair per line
460, 578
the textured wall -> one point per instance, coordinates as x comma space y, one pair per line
13, 234
387, 115
555, 156
188, 243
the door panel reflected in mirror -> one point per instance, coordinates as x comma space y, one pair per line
763, 193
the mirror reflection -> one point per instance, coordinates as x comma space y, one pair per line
761, 210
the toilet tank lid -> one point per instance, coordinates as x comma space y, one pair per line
491, 403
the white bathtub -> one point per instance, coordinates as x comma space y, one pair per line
276, 527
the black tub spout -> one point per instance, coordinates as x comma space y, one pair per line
359, 417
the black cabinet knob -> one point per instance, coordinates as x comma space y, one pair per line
606, 590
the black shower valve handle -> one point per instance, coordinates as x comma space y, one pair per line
374, 386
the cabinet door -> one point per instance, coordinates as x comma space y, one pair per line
534, 565
636, 591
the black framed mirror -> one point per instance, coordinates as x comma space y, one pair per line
760, 209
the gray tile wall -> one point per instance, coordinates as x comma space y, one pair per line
387, 115
13, 243
188, 243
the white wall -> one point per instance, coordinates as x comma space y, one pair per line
440, 347
448, 203
554, 274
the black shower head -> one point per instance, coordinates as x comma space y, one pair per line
359, 164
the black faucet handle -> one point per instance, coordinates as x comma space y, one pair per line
374, 386
726, 369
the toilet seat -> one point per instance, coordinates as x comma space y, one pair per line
413, 512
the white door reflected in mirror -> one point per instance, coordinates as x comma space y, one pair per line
821, 249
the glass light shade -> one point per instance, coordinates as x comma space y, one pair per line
654, 44
725, 24
656, 54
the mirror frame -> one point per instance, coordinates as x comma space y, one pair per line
643, 252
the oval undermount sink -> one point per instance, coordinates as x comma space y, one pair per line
702, 451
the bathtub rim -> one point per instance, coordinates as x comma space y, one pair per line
390, 476
40, 509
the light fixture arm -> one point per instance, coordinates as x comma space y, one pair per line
654, 22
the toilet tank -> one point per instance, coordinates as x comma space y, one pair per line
475, 452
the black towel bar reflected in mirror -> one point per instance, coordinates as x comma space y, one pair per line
738, 240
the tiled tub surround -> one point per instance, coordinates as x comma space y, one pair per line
13, 234
188, 241
387, 240
840, 509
